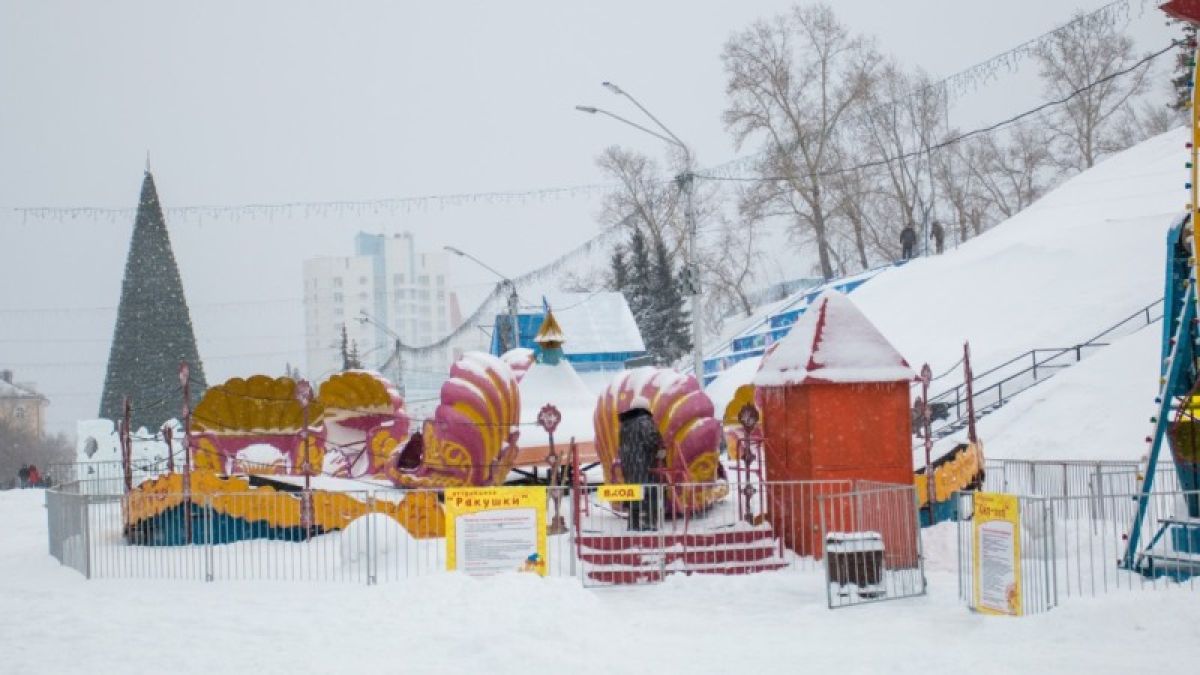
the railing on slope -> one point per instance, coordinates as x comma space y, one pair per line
996, 386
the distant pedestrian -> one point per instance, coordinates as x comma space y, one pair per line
939, 236
23, 476
908, 240
35, 477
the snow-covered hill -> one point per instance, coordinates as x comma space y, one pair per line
1086, 255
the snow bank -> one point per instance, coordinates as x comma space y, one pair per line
376, 535
560, 385
724, 386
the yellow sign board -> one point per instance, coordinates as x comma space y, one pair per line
495, 530
996, 545
620, 493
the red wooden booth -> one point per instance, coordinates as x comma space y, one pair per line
834, 397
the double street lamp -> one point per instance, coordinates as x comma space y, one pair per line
504, 282
686, 182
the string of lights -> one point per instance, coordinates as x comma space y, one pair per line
955, 85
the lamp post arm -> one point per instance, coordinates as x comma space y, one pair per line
674, 139
635, 125
367, 318
493, 270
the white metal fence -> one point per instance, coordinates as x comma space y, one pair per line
872, 541
1073, 546
199, 539
359, 536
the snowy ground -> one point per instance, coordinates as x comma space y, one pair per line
451, 623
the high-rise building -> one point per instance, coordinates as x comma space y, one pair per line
388, 290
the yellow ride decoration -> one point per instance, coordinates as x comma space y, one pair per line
960, 472
254, 406
419, 512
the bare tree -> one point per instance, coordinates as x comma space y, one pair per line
961, 190
1146, 121
904, 119
1013, 170
855, 193
644, 199
730, 265
1075, 59
791, 82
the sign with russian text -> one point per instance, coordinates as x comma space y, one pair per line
495, 530
997, 549
620, 493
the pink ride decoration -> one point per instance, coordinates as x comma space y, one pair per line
365, 421
471, 440
520, 360
683, 414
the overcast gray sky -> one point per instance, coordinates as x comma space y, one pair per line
261, 102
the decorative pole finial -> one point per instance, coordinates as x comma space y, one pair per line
147, 161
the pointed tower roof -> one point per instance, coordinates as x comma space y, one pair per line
154, 328
550, 334
833, 342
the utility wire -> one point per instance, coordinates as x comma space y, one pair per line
961, 137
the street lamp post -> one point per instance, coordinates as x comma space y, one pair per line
686, 181
363, 317
513, 299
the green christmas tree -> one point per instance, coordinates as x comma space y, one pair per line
153, 334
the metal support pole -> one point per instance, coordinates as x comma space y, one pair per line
168, 438
185, 380
399, 368
126, 447
693, 267
930, 485
513, 301
969, 383
304, 395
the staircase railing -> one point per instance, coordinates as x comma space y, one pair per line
996, 386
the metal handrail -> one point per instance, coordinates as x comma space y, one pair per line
955, 393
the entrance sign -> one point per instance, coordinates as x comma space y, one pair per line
496, 530
620, 493
997, 554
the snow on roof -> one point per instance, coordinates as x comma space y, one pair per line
562, 387
18, 390
550, 331
596, 322
834, 342
519, 359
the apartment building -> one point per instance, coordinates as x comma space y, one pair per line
388, 290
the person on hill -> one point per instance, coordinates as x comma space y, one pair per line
939, 236
35, 477
640, 449
23, 476
908, 240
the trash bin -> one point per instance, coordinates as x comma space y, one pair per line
855, 560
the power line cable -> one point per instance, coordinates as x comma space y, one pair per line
968, 79
961, 137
